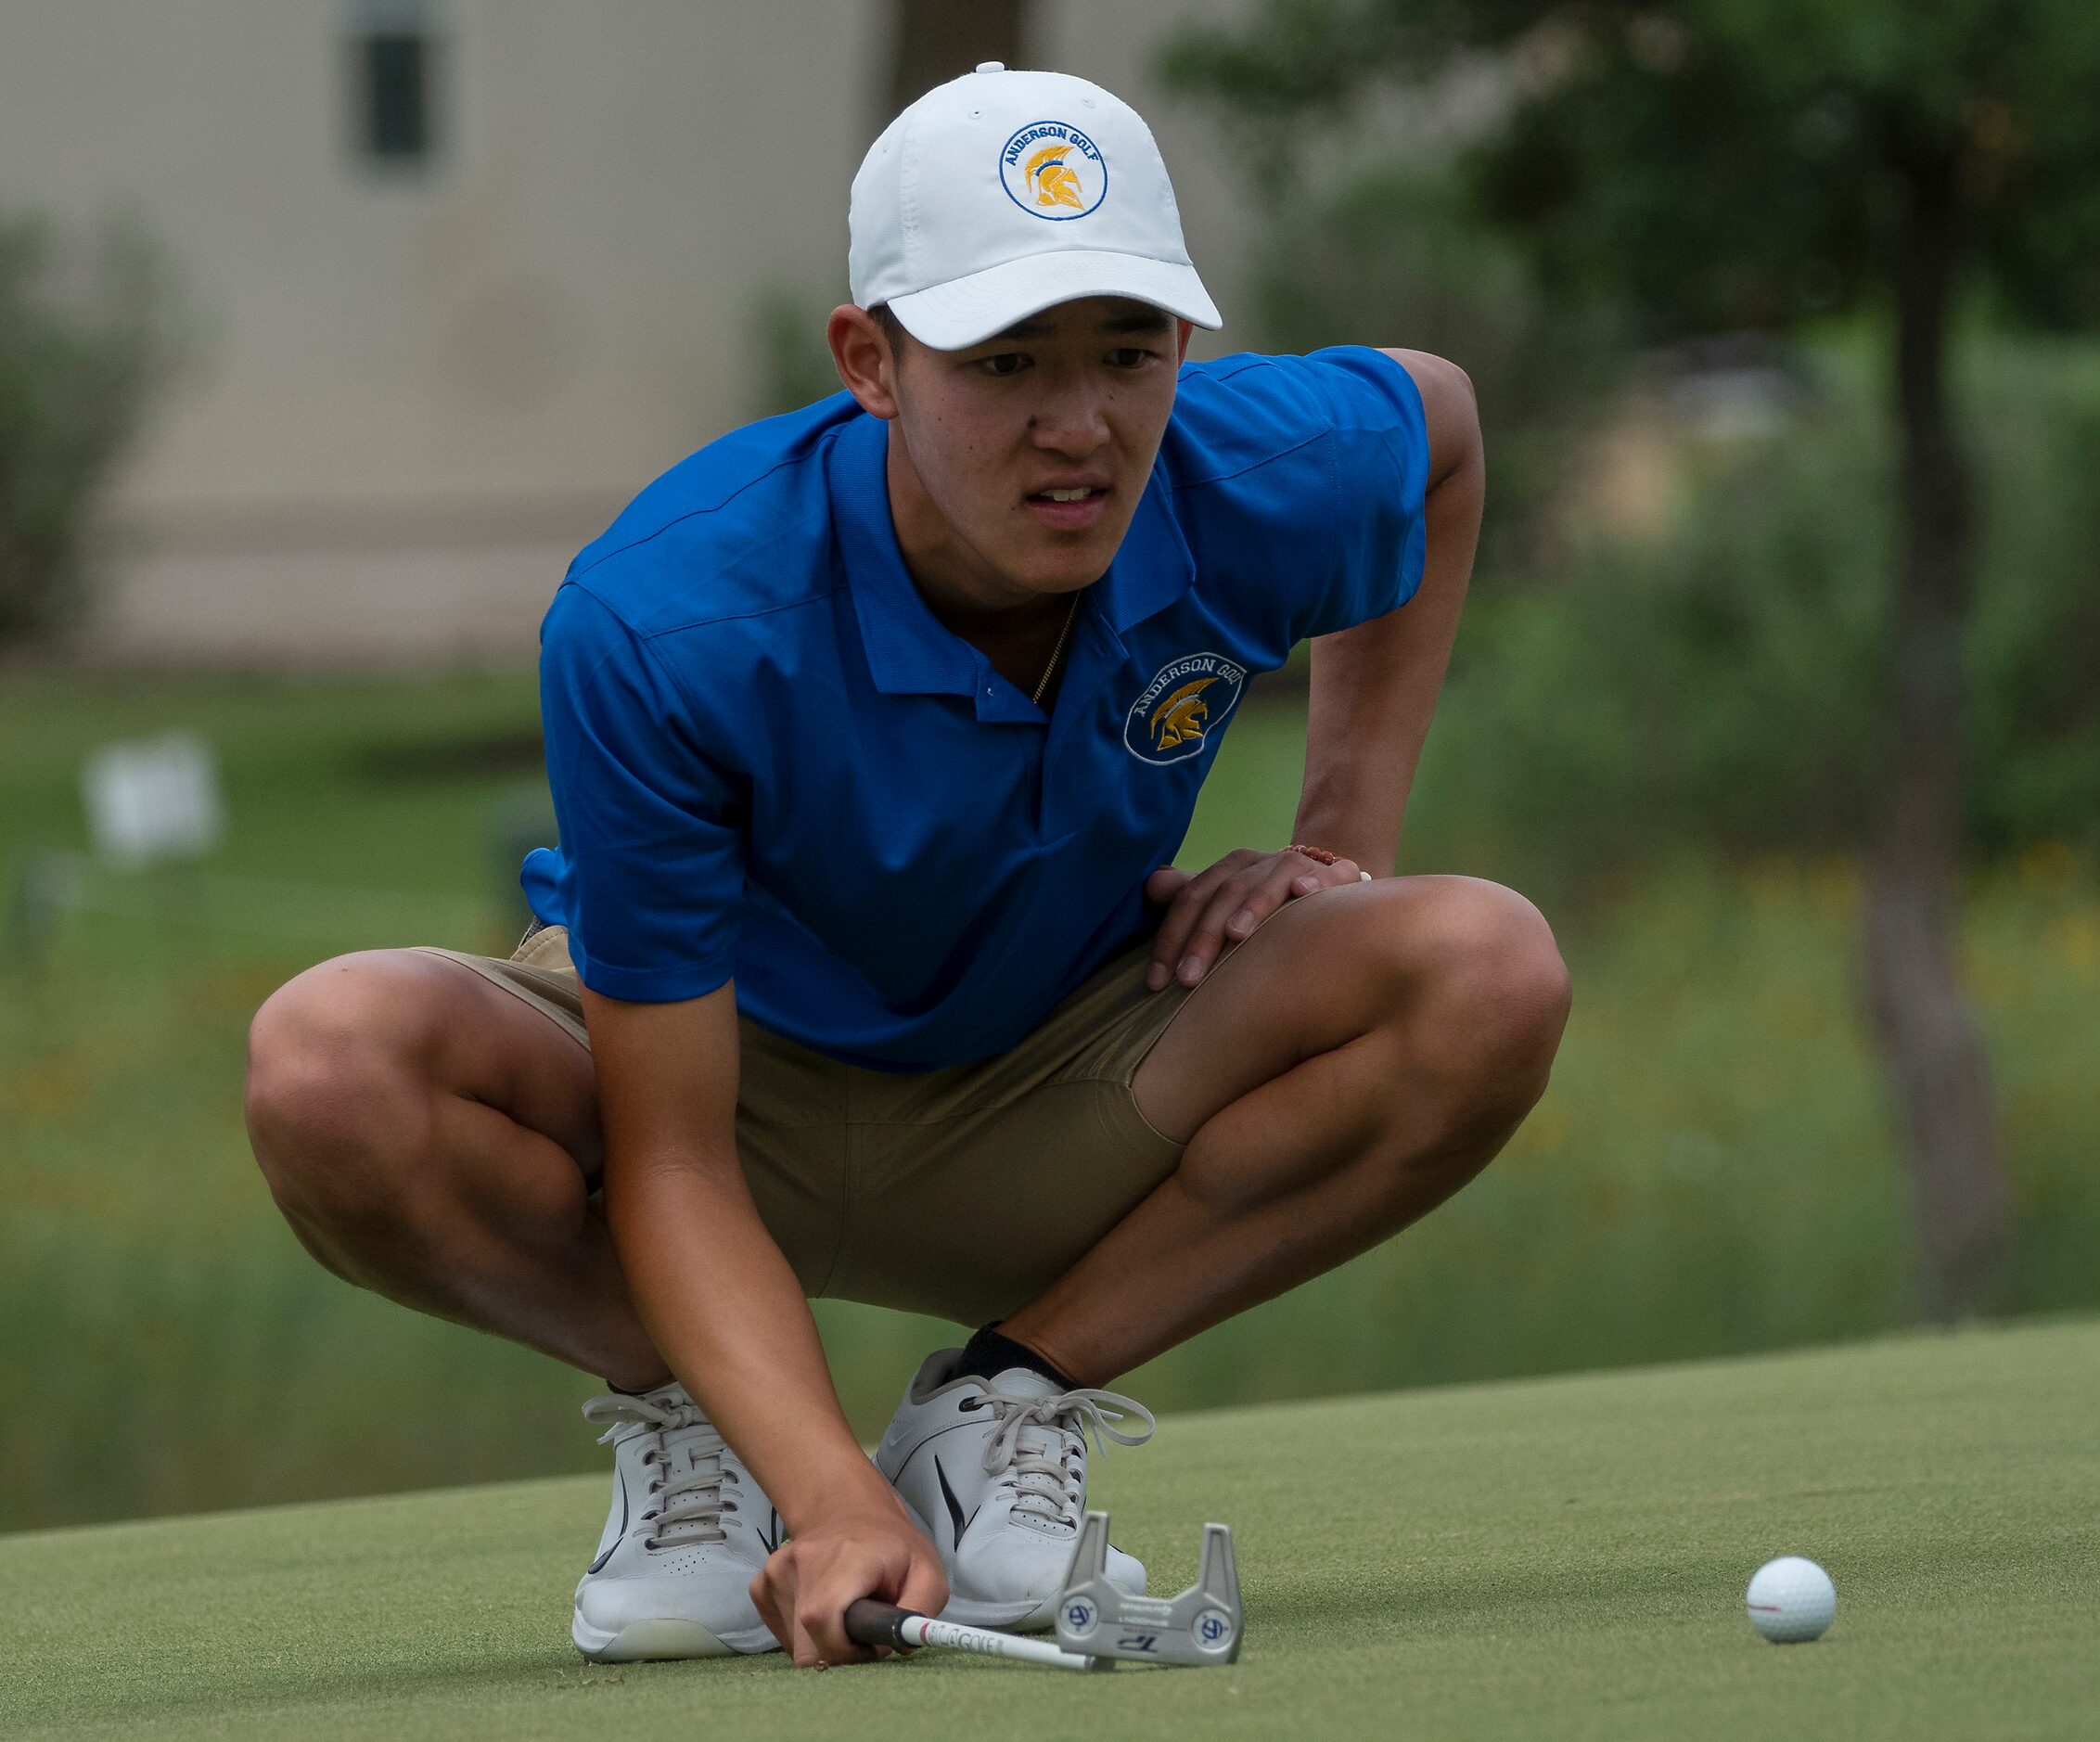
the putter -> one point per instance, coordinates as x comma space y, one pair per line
1098, 1625
1199, 1629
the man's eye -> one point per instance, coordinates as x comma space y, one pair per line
1006, 362
1130, 357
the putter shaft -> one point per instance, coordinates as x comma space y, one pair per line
869, 1622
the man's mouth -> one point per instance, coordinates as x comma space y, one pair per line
1068, 508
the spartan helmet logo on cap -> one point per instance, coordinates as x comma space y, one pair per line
1052, 170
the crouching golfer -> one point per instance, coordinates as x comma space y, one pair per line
861, 968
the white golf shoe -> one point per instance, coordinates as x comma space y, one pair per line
687, 1530
995, 1471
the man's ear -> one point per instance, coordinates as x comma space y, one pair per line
861, 352
1187, 331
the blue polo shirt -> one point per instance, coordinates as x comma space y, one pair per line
770, 760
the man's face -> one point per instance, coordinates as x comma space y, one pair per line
1032, 448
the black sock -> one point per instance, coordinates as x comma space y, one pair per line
988, 1354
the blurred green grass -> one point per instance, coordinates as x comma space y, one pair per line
1710, 1171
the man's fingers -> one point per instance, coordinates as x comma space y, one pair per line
924, 1587
1171, 946
1327, 876
805, 1590
1206, 935
774, 1592
1161, 886
1230, 911
1270, 892
1209, 914
823, 1621
808, 1654
774, 1610
1172, 942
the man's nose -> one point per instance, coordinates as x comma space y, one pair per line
1072, 421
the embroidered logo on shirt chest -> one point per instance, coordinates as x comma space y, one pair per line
1185, 701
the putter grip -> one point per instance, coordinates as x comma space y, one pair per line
869, 1622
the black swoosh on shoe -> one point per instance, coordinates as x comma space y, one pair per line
619, 1535
955, 1506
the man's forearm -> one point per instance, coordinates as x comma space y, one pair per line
1375, 686
1362, 740
720, 1303
725, 1312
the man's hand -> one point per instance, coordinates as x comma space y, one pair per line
868, 1549
1221, 906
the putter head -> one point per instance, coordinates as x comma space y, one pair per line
1200, 1628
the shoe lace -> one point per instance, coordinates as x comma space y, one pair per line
687, 1504
1040, 1445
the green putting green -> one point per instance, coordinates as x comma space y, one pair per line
1559, 1557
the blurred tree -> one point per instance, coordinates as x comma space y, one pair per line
1620, 699
85, 340
1711, 165
1400, 253
2035, 646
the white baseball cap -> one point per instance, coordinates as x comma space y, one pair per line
998, 194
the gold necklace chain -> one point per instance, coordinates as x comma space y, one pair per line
1072, 612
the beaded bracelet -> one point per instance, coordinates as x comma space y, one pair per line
1320, 855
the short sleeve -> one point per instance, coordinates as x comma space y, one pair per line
649, 873
1380, 451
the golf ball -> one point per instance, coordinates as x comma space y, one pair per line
1790, 1600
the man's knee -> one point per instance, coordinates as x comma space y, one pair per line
334, 1101
1485, 990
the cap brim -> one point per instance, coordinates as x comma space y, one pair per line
968, 311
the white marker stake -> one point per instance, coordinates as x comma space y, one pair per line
153, 799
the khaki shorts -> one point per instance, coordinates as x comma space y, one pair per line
962, 1192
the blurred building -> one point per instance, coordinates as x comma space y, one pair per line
468, 273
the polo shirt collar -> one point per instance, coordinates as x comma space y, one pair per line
1152, 567
909, 650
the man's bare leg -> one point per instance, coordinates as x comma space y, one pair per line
432, 1138
1354, 1063
1349, 1066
